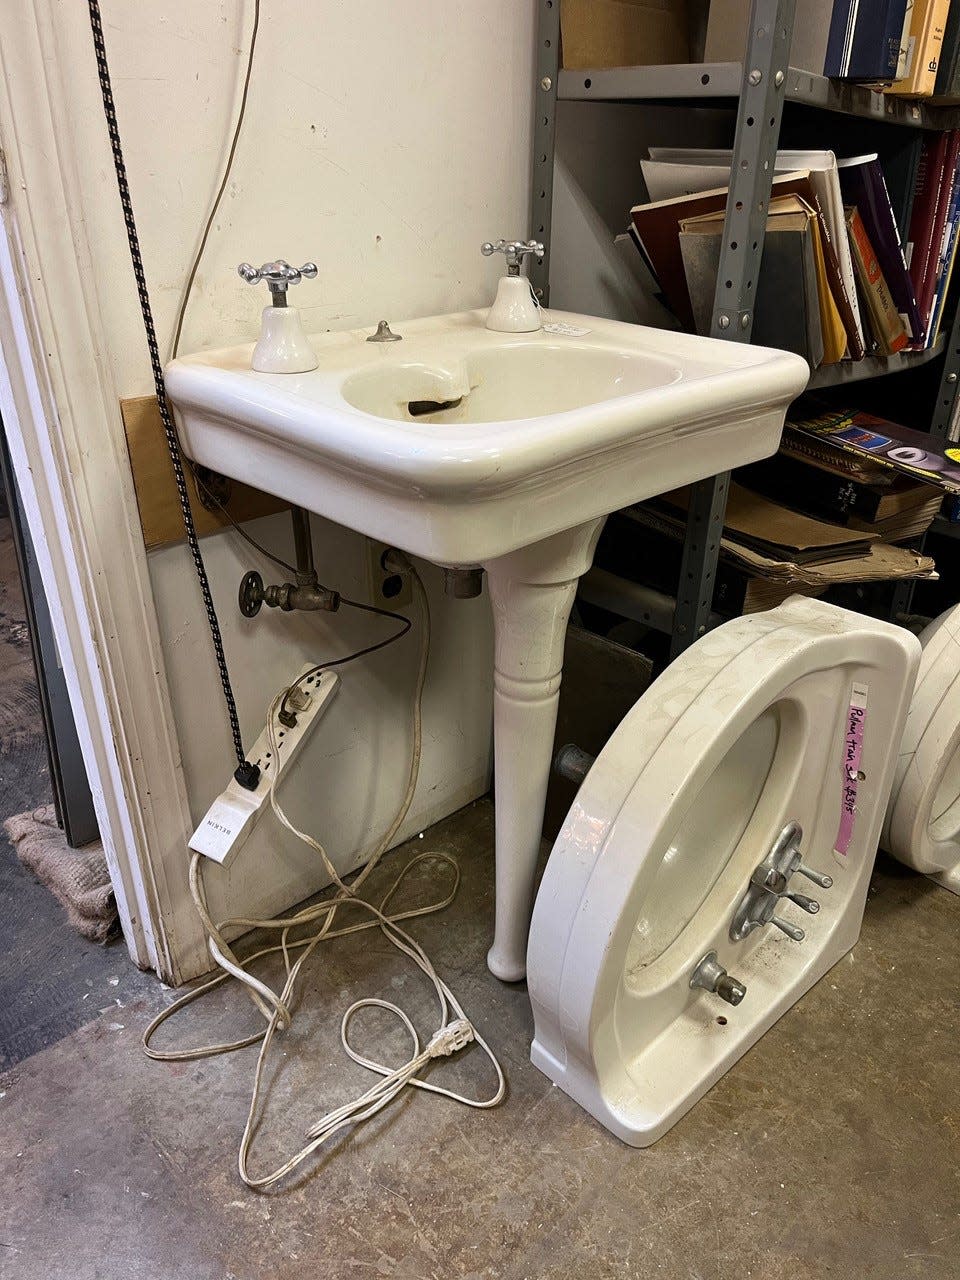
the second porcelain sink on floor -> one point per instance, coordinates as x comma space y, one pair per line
470, 447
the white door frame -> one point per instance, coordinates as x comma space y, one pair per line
61, 412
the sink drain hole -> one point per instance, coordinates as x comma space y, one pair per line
418, 408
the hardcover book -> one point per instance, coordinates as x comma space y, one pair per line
926, 193
881, 562
946, 263
882, 443
817, 491
865, 39
939, 233
788, 269
673, 170
927, 22
948, 72
885, 320
655, 231
863, 185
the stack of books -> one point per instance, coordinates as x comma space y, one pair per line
894, 43
910, 48
931, 245
832, 244
864, 444
841, 502
767, 552
821, 484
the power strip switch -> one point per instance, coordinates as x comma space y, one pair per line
235, 812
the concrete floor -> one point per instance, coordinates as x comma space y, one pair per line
51, 979
831, 1150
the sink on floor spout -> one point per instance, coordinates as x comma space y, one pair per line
553, 431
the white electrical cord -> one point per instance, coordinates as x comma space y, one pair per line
453, 1032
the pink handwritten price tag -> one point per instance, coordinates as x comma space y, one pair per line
852, 777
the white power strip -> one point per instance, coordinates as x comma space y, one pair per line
235, 812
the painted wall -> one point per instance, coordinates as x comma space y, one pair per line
385, 142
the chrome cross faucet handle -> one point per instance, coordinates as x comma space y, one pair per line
283, 347
514, 251
277, 276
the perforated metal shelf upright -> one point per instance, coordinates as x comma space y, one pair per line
760, 85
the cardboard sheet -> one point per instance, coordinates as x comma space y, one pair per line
623, 33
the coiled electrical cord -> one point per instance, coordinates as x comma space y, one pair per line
454, 1032
247, 773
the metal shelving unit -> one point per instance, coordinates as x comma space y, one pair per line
702, 81
759, 86
835, 375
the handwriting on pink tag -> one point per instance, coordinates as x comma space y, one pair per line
852, 751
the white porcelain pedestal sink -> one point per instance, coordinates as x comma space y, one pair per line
469, 447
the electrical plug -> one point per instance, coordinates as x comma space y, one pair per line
449, 1039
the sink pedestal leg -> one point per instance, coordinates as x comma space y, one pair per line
531, 593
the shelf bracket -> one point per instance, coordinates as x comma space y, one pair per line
544, 141
759, 112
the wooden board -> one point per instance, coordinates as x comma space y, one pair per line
160, 516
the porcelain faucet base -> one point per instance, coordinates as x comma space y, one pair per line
514, 309
283, 346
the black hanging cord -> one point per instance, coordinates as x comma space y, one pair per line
247, 774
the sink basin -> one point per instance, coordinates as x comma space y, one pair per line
460, 445
506, 382
469, 447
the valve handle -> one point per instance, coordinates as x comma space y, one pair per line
818, 877
277, 276
513, 250
810, 905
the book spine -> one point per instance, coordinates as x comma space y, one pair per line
943, 250
822, 493
840, 39
901, 183
932, 50
893, 16
864, 186
864, 42
926, 194
946, 270
925, 297
906, 48
888, 327
947, 79
806, 445
926, 42
838, 289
